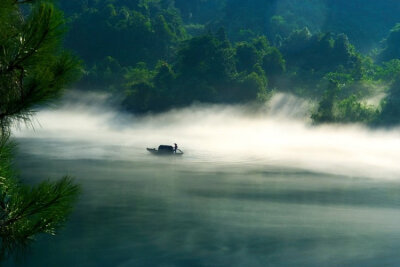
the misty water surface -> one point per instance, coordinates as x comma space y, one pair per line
254, 188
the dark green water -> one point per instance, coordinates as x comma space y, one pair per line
151, 211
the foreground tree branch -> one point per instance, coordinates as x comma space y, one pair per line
34, 70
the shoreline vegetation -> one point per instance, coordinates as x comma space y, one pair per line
156, 55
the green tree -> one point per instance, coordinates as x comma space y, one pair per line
352, 110
325, 111
34, 69
389, 70
390, 114
274, 65
150, 90
204, 65
130, 31
107, 75
246, 56
251, 87
392, 48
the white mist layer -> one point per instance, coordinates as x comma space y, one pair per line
277, 136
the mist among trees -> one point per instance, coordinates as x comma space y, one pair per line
156, 55
161, 54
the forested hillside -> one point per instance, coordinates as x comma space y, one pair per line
160, 54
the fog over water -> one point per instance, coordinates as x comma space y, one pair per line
255, 187
280, 134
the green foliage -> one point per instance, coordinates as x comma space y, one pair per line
129, 31
351, 110
320, 53
150, 90
251, 87
261, 43
347, 110
274, 65
310, 46
26, 211
392, 45
280, 26
107, 74
248, 17
340, 78
204, 65
366, 22
246, 56
325, 112
200, 11
195, 29
388, 71
205, 70
34, 69
312, 58
139, 74
390, 114
206, 56
141, 97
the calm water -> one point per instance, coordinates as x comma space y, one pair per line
254, 188
198, 211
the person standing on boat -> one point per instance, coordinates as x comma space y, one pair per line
175, 147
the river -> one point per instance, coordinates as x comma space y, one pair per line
262, 189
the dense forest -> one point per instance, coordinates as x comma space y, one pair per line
160, 54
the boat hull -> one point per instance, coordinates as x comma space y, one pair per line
164, 153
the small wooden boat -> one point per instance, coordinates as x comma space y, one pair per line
164, 150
